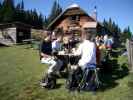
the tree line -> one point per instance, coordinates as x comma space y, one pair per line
55, 11
116, 31
9, 12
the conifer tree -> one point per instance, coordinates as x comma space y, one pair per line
126, 34
11, 13
55, 11
7, 11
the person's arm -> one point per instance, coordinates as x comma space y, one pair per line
44, 55
79, 50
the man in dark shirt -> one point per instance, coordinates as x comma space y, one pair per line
47, 56
46, 47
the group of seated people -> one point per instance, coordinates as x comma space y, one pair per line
50, 49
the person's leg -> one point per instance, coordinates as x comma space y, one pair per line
52, 66
45, 60
44, 81
59, 65
50, 62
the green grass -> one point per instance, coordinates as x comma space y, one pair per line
20, 72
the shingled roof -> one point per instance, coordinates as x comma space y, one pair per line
73, 9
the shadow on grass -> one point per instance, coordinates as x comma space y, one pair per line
58, 85
64, 74
3, 46
111, 72
25, 46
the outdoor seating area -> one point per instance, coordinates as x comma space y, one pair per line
66, 50
77, 78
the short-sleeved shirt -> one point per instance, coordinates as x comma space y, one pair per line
46, 47
56, 46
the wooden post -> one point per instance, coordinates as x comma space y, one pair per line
129, 46
131, 54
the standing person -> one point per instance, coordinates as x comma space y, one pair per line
105, 38
109, 42
97, 40
57, 44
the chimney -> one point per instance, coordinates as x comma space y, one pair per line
94, 14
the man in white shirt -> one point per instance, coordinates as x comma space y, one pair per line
56, 44
87, 50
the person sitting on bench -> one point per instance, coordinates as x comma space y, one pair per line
47, 57
87, 50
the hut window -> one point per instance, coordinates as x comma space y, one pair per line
77, 18
74, 18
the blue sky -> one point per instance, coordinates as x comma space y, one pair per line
121, 11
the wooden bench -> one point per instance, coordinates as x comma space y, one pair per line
28, 40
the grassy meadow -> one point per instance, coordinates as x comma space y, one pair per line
21, 71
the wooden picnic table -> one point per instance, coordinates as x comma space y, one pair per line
68, 58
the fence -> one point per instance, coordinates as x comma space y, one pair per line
129, 46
